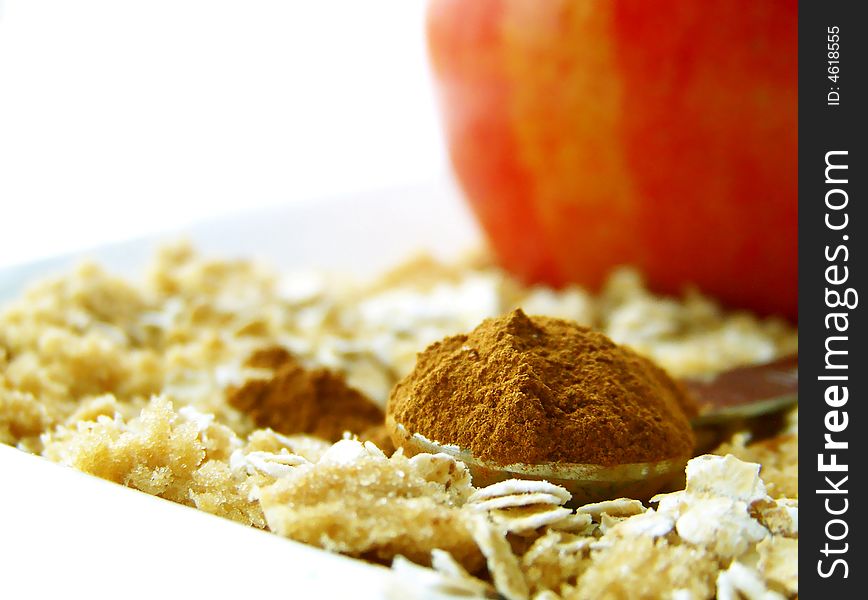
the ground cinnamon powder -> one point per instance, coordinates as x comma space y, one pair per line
313, 401
538, 389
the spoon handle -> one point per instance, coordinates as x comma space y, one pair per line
747, 391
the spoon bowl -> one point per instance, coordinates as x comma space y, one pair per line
586, 482
741, 393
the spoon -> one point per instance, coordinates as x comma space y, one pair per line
746, 392
740, 393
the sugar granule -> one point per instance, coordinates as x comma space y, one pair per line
642, 568
554, 560
160, 452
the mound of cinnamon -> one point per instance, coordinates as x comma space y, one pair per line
313, 401
521, 389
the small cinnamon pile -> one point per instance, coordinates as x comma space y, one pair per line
538, 389
313, 401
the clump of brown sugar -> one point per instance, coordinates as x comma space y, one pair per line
356, 501
298, 400
537, 389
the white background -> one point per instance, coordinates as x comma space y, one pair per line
123, 117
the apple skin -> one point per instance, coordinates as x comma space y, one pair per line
661, 134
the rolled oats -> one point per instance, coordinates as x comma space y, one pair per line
620, 507
129, 382
511, 487
503, 565
741, 582
573, 523
516, 500
779, 563
526, 519
415, 581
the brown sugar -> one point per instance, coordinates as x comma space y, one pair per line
298, 400
538, 389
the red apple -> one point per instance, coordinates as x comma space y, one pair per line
659, 134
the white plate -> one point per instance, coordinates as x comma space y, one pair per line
67, 534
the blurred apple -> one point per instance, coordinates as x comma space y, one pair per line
588, 134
